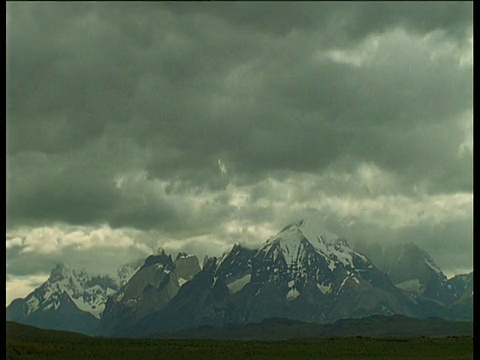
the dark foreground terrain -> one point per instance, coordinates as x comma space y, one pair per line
376, 326
24, 342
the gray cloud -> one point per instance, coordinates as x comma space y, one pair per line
119, 116
349, 20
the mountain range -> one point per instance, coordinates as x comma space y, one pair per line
303, 273
68, 300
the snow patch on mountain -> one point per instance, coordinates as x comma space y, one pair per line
292, 294
237, 285
412, 285
343, 283
325, 289
33, 304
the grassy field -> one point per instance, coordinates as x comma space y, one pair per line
326, 348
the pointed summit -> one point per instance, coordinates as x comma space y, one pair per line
58, 273
288, 243
313, 229
310, 236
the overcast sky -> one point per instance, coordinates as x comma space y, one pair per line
192, 126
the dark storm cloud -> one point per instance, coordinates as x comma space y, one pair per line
122, 113
352, 20
69, 77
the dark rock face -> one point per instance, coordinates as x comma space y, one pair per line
186, 267
149, 290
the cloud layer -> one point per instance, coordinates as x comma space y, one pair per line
192, 126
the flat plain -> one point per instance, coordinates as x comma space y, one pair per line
24, 342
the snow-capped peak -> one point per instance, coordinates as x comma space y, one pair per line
314, 231
289, 241
292, 240
59, 272
88, 293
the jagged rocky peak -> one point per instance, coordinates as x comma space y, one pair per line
181, 254
310, 230
161, 258
58, 273
305, 259
208, 261
235, 264
186, 267
236, 247
236, 250
62, 272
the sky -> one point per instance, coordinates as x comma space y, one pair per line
192, 126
